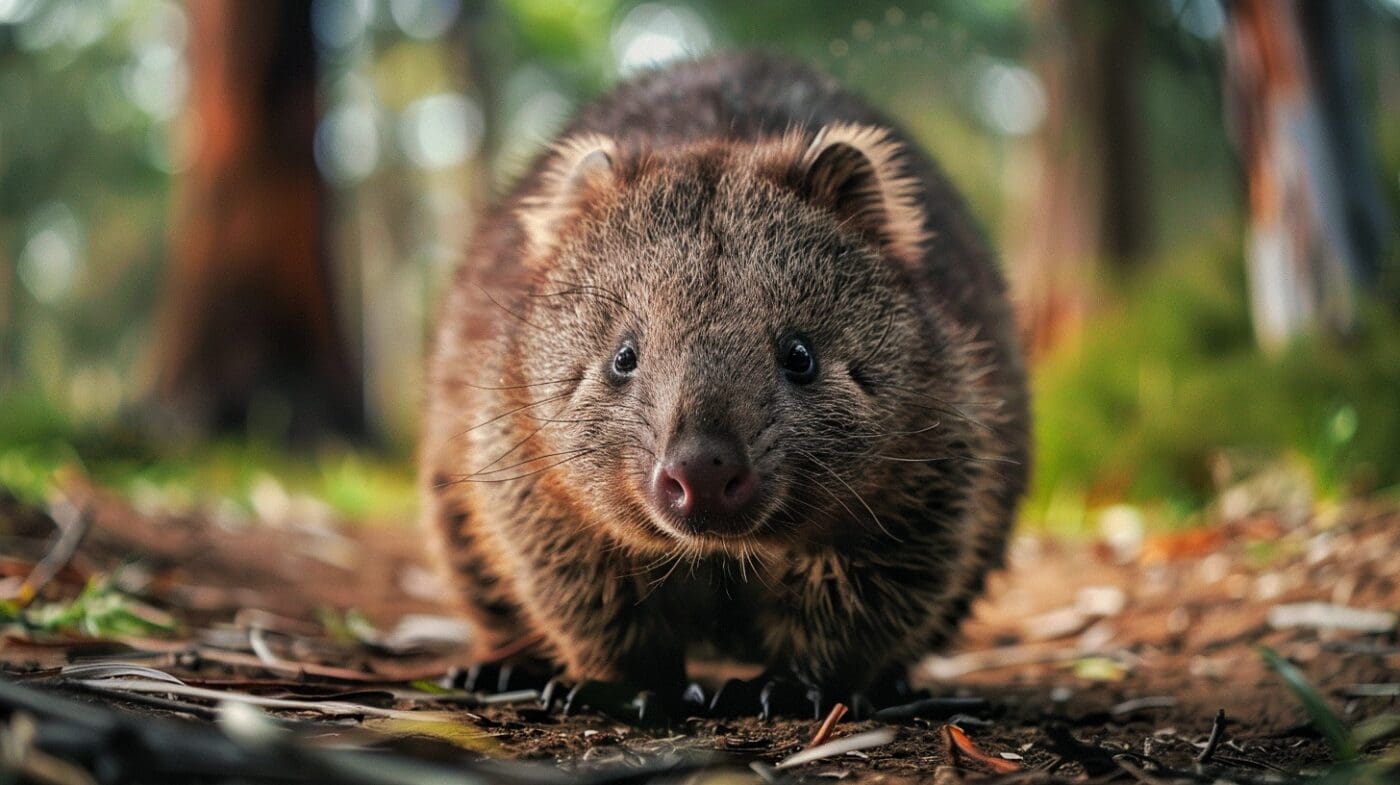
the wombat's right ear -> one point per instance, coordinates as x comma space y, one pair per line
579, 166
859, 173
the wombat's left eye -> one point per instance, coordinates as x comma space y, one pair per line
624, 362
799, 362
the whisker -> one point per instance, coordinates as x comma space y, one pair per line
522, 386
659, 582
583, 420
963, 457
651, 565
954, 457
529, 474
512, 449
821, 487
889, 434
518, 464
948, 407
497, 303
513, 411
854, 492
584, 290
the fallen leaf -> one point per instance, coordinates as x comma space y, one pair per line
960, 747
1191, 544
1099, 669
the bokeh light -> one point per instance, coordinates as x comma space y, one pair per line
653, 34
347, 143
49, 264
1202, 18
535, 106
340, 24
441, 131
424, 19
1010, 99
157, 81
15, 11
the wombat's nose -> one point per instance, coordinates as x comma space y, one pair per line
704, 478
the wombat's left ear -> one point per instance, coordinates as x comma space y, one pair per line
578, 167
858, 172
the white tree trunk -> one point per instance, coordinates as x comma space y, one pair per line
1300, 257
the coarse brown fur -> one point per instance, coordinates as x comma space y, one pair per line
705, 212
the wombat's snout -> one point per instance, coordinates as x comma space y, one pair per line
705, 483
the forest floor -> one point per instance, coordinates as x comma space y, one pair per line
1103, 660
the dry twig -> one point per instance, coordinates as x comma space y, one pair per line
73, 523
824, 732
1217, 732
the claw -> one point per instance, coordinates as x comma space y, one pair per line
553, 693
816, 698
503, 679
524, 676
694, 700
480, 677
793, 693
862, 708
651, 710
606, 696
782, 696
734, 698
618, 700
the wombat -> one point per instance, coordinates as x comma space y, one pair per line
731, 366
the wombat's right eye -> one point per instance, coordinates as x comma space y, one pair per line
624, 362
799, 363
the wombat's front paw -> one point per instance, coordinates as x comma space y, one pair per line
777, 694
799, 692
620, 700
737, 697
494, 677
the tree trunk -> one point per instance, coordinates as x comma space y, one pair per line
1087, 203
1301, 252
249, 336
1328, 30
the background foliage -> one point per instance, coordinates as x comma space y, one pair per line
429, 108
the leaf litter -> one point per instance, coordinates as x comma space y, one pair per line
169, 622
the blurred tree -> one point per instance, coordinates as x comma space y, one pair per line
480, 48
1329, 30
1088, 203
249, 334
1316, 225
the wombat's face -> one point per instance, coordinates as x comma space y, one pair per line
728, 334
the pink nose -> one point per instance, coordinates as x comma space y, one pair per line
704, 481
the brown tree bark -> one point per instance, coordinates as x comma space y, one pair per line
1304, 252
249, 326
1086, 208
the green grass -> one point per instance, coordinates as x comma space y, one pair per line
1169, 378
38, 443
100, 610
1347, 743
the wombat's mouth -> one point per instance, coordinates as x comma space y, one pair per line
714, 530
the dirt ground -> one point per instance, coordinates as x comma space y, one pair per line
1097, 660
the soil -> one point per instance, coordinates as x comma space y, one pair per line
1081, 650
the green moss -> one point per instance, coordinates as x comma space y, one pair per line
1165, 381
